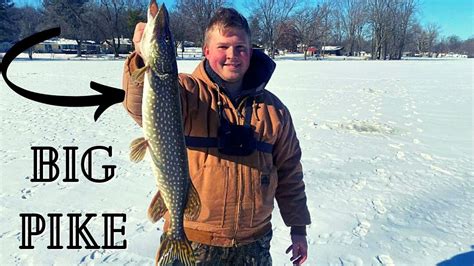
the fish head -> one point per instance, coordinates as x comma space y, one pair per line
157, 45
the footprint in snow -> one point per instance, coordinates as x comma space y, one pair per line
362, 229
359, 184
379, 206
10, 234
94, 255
440, 170
385, 260
25, 193
396, 146
351, 260
426, 156
401, 155
381, 172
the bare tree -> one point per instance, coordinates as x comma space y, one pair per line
288, 36
271, 14
27, 20
454, 43
255, 28
324, 19
379, 19
423, 40
402, 15
353, 16
304, 22
71, 16
198, 13
468, 47
413, 34
389, 21
110, 21
181, 28
431, 33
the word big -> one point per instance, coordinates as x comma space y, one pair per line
52, 156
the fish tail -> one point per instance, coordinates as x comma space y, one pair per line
172, 251
138, 149
193, 205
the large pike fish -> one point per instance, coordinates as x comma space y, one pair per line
163, 130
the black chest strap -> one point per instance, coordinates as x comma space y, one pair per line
210, 142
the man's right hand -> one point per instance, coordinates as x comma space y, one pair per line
137, 36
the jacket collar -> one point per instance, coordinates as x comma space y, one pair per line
258, 75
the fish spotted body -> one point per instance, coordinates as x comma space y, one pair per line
163, 130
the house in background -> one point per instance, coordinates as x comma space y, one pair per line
126, 46
332, 50
311, 51
66, 46
327, 50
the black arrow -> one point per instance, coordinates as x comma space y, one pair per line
108, 97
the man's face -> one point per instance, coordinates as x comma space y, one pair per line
228, 52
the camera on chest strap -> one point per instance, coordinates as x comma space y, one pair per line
235, 140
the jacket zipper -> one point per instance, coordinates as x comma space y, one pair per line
239, 119
237, 213
239, 108
239, 189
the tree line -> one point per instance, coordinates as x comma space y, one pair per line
384, 28
80, 20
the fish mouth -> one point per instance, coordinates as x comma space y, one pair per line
153, 8
160, 15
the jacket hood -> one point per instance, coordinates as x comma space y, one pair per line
260, 71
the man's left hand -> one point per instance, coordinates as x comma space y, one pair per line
299, 249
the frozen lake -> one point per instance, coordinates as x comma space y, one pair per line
387, 155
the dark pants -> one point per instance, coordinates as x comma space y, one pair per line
256, 253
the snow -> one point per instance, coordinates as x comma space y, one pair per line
387, 156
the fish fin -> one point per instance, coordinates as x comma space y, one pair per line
138, 149
139, 74
193, 206
172, 251
157, 208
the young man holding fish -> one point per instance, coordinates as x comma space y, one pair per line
241, 146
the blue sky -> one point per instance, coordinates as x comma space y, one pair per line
455, 17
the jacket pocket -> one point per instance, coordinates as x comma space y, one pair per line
264, 187
211, 183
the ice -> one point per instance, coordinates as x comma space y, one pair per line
387, 155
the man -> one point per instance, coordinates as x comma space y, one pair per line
242, 148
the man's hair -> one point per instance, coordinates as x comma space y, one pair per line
227, 18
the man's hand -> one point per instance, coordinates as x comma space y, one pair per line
137, 36
299, 249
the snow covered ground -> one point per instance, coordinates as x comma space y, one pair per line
387, 154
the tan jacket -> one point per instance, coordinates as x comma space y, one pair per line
237, 193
